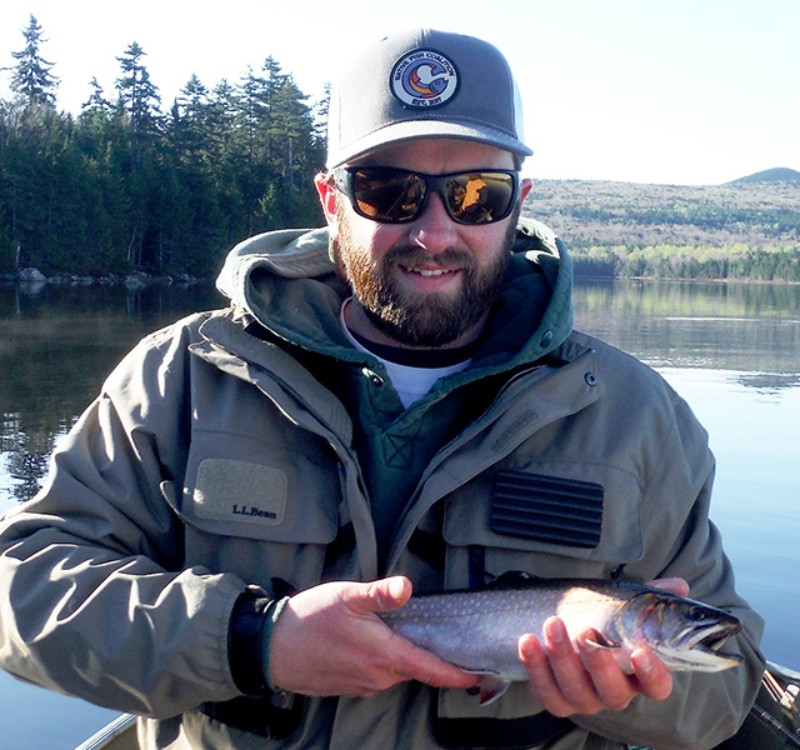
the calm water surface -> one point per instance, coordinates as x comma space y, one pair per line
732, 351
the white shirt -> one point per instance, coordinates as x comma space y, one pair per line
411, 383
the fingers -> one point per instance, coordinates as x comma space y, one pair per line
383, 595
612, 688
568, 681
582, 678
329, 641
653, 678
676, 586
409, 662
543, 683
423, 666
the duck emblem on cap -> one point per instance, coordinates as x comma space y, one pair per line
424, 78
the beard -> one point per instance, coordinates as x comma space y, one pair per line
421, 319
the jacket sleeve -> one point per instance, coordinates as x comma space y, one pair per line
703, 709
95, 600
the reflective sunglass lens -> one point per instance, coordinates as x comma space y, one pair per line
386, 195
394, 196
480, 198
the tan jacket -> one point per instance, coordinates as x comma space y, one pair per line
214, 461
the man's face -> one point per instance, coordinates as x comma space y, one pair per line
429, 282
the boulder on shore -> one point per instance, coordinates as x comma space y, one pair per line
32, 276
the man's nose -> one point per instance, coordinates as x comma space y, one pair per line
433, 229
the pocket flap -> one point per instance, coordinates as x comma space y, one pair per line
246, 499
589, 512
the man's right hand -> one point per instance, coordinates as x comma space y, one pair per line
329, 640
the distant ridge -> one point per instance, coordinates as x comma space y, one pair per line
758, 212
779, 174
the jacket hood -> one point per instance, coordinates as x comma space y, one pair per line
287, 281
290, 253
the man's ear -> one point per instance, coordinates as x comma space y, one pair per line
327, 195
524, 189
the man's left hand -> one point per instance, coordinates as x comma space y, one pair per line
576, 677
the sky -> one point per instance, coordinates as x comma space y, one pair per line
687, 92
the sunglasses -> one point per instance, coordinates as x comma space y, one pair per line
395, 196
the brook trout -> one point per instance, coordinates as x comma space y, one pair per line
479, 630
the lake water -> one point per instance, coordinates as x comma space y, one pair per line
733, 351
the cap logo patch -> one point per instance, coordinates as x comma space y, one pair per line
424, 78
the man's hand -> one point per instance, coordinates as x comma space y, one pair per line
329, 641
578, 678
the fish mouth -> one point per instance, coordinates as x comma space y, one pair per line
700, 647
712, 636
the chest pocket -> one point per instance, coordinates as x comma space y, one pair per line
551, 521
242, 498
266, 519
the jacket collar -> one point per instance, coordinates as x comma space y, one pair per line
287, 282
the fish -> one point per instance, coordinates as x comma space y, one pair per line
479, 630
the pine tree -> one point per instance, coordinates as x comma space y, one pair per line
188, 125
96, 101
139, 102
138, 95
32, 79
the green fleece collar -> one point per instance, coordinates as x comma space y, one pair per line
287, 281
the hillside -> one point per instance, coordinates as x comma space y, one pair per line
779, 174
758, 213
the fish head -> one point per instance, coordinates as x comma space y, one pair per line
685, 634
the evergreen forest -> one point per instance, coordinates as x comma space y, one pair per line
133, 184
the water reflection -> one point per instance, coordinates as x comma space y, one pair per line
769, 383
752, 328
57, 344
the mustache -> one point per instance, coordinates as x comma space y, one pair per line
410, 256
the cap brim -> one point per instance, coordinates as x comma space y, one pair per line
427, 129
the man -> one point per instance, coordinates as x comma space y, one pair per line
341, 434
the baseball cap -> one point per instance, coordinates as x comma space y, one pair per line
424, 83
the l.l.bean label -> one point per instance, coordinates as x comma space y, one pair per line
231, 490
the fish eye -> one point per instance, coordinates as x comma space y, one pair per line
699, 613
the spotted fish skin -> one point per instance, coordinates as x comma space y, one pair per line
480, 630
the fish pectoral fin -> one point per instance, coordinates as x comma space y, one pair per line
491, 687
622, 655
600, 641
